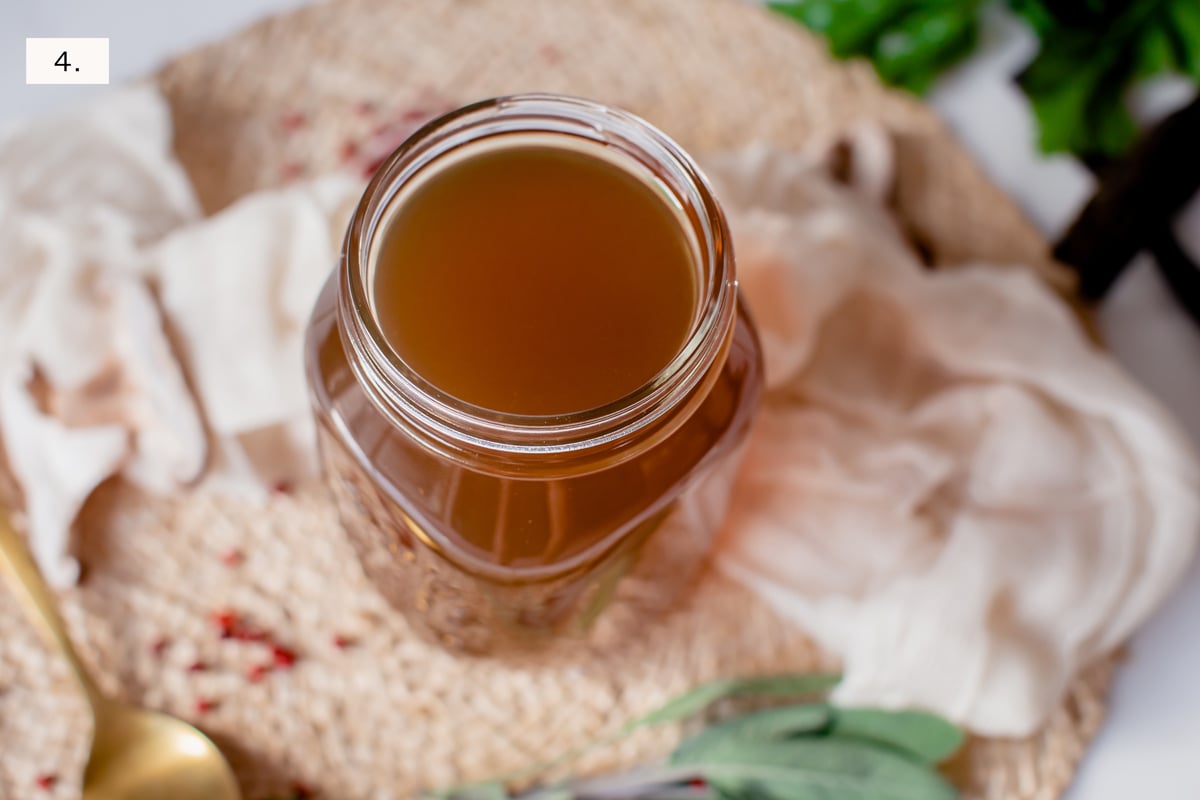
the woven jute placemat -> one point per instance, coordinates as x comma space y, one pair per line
368, 710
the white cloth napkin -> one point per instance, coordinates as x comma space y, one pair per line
238, 289
949, 487
88, 381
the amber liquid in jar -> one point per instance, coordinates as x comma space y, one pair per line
535, 280
532, 280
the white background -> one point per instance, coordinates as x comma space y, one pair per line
1151, 745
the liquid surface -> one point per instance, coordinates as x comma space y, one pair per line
535, 280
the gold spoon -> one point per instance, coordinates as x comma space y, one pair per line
136, 754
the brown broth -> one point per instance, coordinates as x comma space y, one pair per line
535, 280
416, 518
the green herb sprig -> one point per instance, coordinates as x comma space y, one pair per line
1092, 52
810, 749
910, 43
1088, 62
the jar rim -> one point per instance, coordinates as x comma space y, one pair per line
454, 426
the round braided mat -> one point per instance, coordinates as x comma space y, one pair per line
377, 713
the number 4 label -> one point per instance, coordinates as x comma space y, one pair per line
66, 61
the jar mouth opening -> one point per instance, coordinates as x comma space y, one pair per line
411, 400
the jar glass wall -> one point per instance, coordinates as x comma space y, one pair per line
499, 532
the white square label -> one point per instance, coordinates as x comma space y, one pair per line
73, 61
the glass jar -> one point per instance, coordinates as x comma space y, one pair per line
624, 499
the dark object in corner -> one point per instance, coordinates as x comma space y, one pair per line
1133, 210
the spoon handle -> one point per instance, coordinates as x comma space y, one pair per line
23, 576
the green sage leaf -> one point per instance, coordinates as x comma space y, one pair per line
700, 698
634, 783
833, 769
553, 793
476, 791
768, 725
926, 737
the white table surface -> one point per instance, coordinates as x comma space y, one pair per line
1151, 742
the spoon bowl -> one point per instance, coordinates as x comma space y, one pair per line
143, 754
136, 754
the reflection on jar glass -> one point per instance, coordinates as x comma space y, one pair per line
532, 372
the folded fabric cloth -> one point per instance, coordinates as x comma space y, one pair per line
88, 380
238, 289
949, 487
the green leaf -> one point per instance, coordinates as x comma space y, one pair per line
836, 769
853, 31
1068, 94
1113, 129
700, 698
634, 783
476, 791
850, 26
1040, 18
1185, 27
554, 793
1078, 82
913, 54
768, 725
910, 43
1092, 52
1156, 53
926, 737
